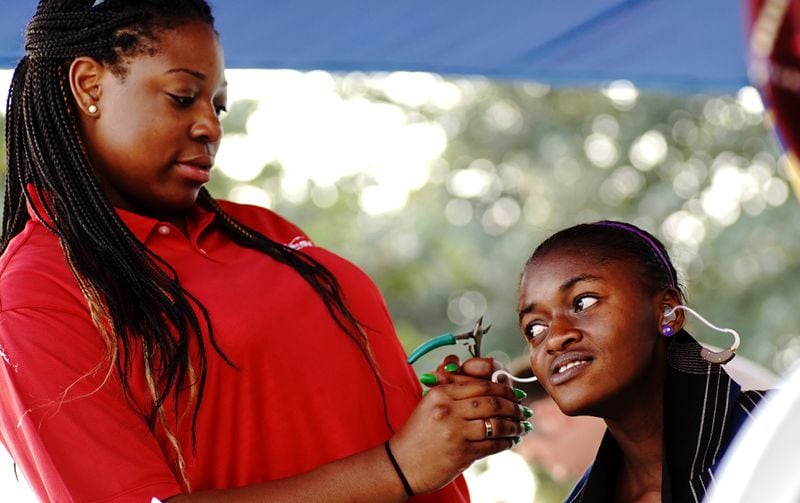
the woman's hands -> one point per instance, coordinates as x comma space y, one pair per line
464, 417
445, 433
452, 370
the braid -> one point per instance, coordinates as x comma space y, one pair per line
14, 214
98, 29
318, 277
47, 162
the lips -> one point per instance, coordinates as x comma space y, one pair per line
568, 366
196, 169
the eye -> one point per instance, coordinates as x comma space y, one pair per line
220, 109
584, 302
181, 100
534, 330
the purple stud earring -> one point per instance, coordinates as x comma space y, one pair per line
666, 330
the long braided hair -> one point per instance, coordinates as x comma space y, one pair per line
46, 155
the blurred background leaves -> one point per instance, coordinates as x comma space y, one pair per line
440, 189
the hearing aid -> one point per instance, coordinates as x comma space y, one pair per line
717, 357
669, 315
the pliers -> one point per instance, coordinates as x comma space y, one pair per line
472, 340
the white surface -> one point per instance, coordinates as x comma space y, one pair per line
501, 478
10, 489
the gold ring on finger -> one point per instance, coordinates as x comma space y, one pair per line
487, 423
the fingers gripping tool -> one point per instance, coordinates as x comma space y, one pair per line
471, 338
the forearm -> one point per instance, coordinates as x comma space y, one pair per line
367, 476
444, 434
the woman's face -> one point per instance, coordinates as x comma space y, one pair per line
157, 129
592, 331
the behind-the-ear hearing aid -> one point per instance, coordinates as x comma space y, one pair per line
669, 315
720, 357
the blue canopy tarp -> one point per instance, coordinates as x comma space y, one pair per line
678, 45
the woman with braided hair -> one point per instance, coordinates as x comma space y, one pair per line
159, 343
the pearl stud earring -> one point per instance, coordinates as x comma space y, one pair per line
92, 109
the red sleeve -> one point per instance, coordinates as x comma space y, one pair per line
74, 435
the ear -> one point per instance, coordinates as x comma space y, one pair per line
85, 77
667, 301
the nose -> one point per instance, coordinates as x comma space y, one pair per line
562, 335
207, 127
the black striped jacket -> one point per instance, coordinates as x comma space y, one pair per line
703, 410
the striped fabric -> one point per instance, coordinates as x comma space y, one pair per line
703, 410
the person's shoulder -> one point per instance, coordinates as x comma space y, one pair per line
746, 404
754, 382
266, 222
34, 272
285, 232
32, 249
750, 399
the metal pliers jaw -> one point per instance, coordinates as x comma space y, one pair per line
471, 339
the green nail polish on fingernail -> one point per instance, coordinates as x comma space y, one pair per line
527, 412
527, 426
516, 440
451, 367
428, 379
519, 393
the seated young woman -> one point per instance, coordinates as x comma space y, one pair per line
600, 307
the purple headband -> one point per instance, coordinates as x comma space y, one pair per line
647, 239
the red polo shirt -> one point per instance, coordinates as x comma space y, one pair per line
302, 395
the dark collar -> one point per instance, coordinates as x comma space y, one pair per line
699, 399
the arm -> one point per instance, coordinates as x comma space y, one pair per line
93, 445
71, 430
443, 436
366, 476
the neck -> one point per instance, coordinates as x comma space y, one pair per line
639, 432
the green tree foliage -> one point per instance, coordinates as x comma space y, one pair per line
544, 157
523, 160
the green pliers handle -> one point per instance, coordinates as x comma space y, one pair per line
447, 339
475, 335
